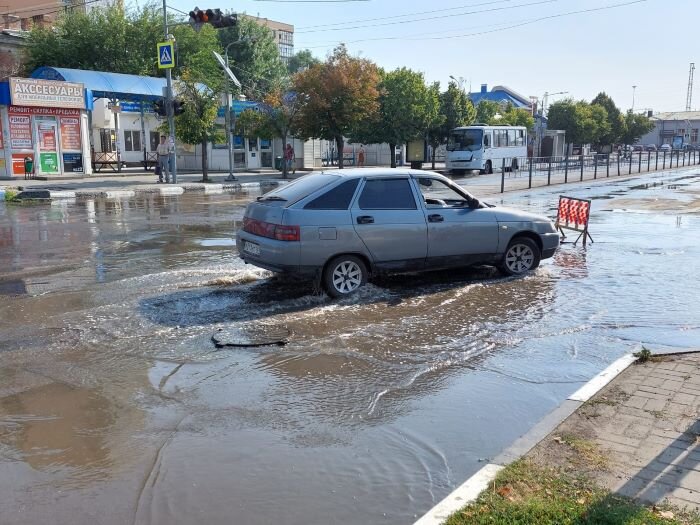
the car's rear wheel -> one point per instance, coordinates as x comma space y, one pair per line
344, 275
522, 255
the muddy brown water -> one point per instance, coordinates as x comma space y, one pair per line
116, 406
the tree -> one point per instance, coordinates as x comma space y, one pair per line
636, 126
110, 39
337, 95
512, 116
407, 109
582, 122
615, 119
486, 111
456, 109
301, 60
278, 116
197, 125
253, 57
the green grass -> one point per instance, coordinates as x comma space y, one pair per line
10, 195
526, 494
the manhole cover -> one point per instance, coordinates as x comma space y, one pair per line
251, 335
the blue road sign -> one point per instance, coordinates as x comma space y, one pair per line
166, 55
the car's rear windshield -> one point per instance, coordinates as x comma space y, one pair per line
300, 188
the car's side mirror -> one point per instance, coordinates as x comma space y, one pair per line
474, 204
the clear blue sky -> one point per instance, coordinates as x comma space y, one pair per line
649, 44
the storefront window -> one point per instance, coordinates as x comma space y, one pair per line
132, 140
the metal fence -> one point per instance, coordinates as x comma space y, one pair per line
528, 172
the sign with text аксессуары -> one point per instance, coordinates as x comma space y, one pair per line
46, 93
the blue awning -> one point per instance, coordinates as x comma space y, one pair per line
108, 85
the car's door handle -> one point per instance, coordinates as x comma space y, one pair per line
365, 219
435, 217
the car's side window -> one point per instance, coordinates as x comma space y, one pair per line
437, 194
337, 198
387, 194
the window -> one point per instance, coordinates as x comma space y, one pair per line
107, 140
694, 135
511, 136
487, 140
520, 137
337, 198
154, 138
132, 140
387, 194
465, 140
437, 194
500, 138
302, 187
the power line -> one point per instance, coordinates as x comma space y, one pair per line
539, 2
415, 13
512, 26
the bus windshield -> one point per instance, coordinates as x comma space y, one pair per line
465, 140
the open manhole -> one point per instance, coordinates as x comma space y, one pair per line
250, 334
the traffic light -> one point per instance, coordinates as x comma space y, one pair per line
178, 107
159, 108
214, 17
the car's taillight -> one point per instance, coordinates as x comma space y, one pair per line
287, 233
271, 231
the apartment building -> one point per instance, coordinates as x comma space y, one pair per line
283, 33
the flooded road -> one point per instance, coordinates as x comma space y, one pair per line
116, 406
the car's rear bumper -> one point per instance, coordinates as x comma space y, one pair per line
276, 256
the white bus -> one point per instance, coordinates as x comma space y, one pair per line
481, 147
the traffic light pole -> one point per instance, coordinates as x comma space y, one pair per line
229, 125
169, 103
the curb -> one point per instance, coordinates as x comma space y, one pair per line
468, 491
192, 187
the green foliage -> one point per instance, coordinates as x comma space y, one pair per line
337, 95
10, 195
408, 108
524, 494
301, 60
253, 57
497, 114
635, 127
455, 110
584, 123
643, 355
615, 119
111, 39
486, 111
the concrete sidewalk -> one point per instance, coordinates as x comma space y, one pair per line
645, 427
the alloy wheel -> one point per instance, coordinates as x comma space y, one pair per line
520, 258
347, 277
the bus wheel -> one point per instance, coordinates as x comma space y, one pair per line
488, 169
514, 165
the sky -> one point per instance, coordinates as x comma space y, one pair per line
523, 44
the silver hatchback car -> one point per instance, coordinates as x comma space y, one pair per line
344, 226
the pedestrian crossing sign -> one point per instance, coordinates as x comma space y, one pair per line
166, 55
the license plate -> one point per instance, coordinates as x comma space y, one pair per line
251, 248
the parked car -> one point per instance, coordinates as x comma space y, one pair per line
651, 147
637, 147
344, 226
665, 147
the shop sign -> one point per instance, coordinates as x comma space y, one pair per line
46, 93
18, 162
60, 112
48, 162
73, 162
70, 133
21, 132
47, 135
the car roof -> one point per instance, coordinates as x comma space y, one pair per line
378, 172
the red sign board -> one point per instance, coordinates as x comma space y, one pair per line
18, 162
70, 133
573, 214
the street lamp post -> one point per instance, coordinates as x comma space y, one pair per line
634, 88
229, 115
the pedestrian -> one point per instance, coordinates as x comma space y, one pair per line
163, 160
361, 157
289, 159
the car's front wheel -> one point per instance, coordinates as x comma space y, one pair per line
522, 255
344, 275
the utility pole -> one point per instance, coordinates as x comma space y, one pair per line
634, 88
689, 98
169, 101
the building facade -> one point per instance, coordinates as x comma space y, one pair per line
670, 124
283, 34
